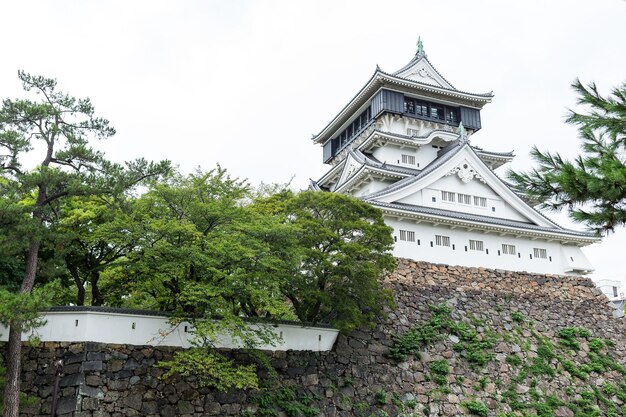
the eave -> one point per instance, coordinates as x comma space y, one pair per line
486, 224
365, 173
380, 79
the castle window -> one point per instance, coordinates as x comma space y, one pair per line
409, 106
425, 109
451, 115
442, 240
421, 109
476, 245
464, 198
407, 235
447, 196
614, 291
408, 159
436, 112
480, 201
540, 253
508, 249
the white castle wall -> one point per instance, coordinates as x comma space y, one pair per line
564, 259
137, 329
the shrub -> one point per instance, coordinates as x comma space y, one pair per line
475, 407
516, 316
439, 371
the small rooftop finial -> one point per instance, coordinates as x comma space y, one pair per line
462, 132
420, 46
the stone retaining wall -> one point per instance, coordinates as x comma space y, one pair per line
519, 311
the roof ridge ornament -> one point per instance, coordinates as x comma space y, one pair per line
420, 47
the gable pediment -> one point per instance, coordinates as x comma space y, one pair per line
422, 71
462, 174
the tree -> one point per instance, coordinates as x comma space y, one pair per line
204, 256
592, 186
60, 126
343, 247
90, 237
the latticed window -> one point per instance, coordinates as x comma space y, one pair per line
480, 201
447, 196
442, 240
476, 245
408, 159
540, 253
508, 249
464, 198
407, 235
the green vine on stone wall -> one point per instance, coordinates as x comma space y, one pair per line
562, 358
477, 350
286, 400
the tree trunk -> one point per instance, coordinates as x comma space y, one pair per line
80, 287
14, 359
14, 348
97, 299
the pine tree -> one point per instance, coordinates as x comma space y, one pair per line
593, 185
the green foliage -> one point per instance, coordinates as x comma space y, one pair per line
593, 185
477, 350
424, 335
517, 316
595, 344
344, 247
439, 371
475, 407
514, 360
212, 370
540, 366
26, 307
574, 370
568, 337
381, 397
543, 410
410, 403
285, 400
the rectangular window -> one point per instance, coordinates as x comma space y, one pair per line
408, 159
421, 108
464, 198
480, 201
476, 245
451, 116
407, 235
447, 196
436, 112
540, 253
409, 106
614, 291
442, 240
508, 249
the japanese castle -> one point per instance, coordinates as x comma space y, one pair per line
403, 145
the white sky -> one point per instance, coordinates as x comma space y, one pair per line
246, 84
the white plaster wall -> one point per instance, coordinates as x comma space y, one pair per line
475, 187
371, 187
393, 155
489, 258
133, 329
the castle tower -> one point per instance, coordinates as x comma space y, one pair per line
403, 145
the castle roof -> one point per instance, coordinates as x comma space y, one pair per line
418, 77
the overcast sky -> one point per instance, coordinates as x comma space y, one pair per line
246, 83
